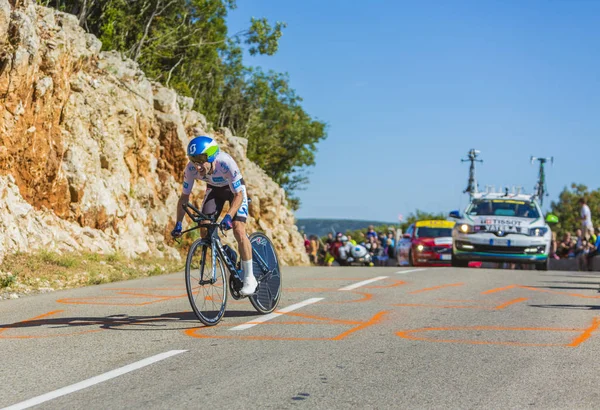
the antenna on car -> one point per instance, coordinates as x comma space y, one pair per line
473, 186
540, 188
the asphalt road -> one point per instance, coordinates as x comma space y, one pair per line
433, 338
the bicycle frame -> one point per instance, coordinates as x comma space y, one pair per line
213, 240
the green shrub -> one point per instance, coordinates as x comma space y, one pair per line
7, 280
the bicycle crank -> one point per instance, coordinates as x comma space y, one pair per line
235, 285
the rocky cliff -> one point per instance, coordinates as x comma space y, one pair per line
92, 152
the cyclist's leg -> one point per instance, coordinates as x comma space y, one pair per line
211, 205
244, 246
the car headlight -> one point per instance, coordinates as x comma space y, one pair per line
422, 248
538, 231
465, 228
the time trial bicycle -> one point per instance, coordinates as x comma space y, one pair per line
208, 262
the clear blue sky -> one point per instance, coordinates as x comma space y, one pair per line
407, 88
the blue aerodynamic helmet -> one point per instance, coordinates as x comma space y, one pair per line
202, 149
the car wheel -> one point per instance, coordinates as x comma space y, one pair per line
543, 265
411, 261
457, 263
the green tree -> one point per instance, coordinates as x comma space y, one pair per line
185, 44
568, 208
263, 108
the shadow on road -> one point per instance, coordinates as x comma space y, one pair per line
572, 282
579, 307
596, 288
118, 322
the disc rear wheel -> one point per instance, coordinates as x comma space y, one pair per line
265, 266
206, 283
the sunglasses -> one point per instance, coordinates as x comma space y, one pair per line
199, 159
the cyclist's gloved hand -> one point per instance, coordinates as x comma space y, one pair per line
227, 223
176, 233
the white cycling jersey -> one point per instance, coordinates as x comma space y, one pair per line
226, 172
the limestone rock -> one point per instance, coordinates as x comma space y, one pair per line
92, 153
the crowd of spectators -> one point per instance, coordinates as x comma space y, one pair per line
578, 246
380, 245
583, 246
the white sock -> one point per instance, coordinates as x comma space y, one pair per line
247, 268
249, 279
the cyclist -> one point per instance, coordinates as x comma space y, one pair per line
224, 184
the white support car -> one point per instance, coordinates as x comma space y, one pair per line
500, 227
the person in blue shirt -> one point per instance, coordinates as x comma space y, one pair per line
370, 232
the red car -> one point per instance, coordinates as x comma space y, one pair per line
426, 243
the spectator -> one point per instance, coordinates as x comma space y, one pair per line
329, 241
578, 248
586, 218
314, 250
390, 248
592, 251
391, 245
334, 249
564, 248
370, 233
377, 252
322, 254
593, 236
352, 241
382, 238
553, 247
329, 244
384, 257
584, 255
306, 244
369, 244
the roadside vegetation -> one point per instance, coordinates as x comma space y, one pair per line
22, 274
568, 208
186, 45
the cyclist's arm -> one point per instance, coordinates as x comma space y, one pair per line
188, 183
183, 199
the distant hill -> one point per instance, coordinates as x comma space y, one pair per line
321, 227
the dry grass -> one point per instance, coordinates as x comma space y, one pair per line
45, 271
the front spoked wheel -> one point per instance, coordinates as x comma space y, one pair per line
206, 282
265, 266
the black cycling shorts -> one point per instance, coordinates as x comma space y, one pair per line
215, 198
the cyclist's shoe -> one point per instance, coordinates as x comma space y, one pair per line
250, 285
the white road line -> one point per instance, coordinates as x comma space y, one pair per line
402, 272
94, 380
278, 313
364, 282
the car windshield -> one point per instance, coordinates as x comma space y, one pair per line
504, 207
427, 232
